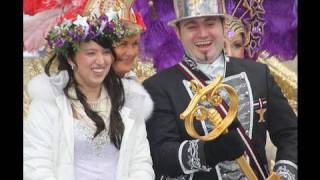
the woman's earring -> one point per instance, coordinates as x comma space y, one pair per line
72, 66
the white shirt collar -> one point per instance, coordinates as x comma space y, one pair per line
213, 69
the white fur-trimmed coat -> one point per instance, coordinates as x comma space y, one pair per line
48, 132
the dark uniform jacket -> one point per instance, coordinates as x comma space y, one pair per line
166, 130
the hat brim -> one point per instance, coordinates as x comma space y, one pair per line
174, 22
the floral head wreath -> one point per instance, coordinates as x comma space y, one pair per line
45, 14
71, 34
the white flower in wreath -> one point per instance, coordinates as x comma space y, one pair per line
67, 23
112, 15
81, 21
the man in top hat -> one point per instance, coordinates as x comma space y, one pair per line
262, 106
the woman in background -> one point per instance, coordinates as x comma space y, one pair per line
235, 37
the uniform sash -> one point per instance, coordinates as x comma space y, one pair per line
254, 158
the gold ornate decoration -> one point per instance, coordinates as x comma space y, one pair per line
261, 112
123, 8
252, 24
197, 111
209, 93
235, 26
143, 69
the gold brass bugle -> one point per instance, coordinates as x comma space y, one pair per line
199, 112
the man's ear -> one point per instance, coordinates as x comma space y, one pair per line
178, 33
223, 26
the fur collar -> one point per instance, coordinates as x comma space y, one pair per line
49, 88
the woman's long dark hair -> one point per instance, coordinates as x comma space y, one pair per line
115, 90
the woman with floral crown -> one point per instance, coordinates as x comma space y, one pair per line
126, 64
127, 49
83, 121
